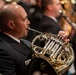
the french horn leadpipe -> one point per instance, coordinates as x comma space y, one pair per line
67, 19
34, 30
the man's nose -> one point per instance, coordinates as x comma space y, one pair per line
28, 22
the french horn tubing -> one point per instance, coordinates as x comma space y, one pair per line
55, 51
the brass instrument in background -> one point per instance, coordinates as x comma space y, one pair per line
72, 24
55, 51
67, 8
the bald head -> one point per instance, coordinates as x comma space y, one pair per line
10, 12
12, 8
14, 21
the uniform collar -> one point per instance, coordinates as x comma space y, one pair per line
52, 17
13, 37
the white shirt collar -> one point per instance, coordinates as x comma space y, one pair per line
13, 37
52, 18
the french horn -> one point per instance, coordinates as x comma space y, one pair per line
54, 50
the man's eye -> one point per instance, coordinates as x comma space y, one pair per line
24, 19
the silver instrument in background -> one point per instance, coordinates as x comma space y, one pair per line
67, 19
55, 51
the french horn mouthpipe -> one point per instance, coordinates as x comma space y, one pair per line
34, 30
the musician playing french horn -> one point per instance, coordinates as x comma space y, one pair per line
15, 56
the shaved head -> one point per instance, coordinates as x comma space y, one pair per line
9, 12
14, 21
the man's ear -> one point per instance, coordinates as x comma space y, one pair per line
10, 24
49, 7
